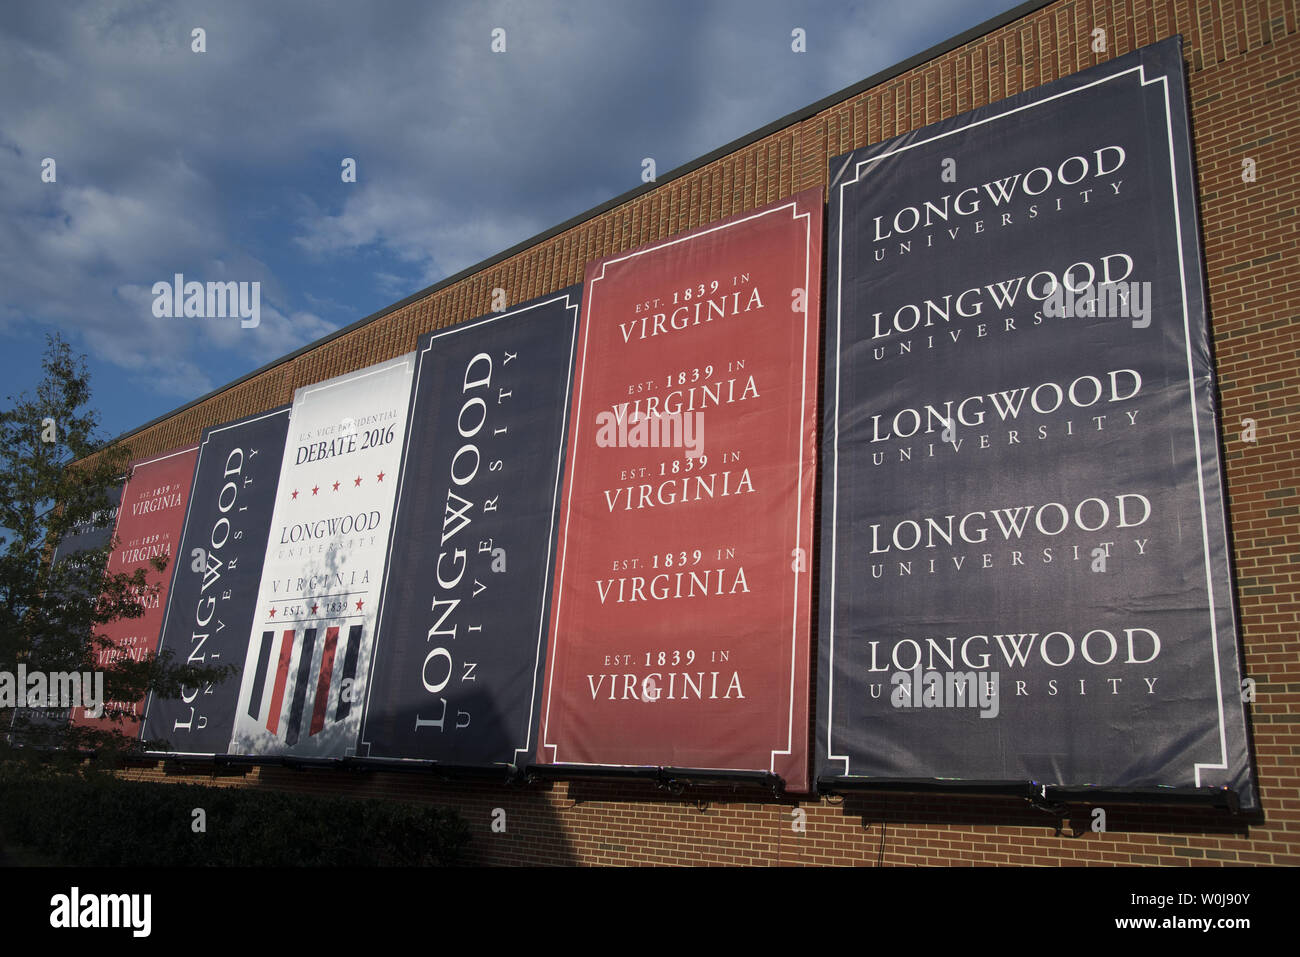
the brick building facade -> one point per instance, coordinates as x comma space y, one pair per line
1243, 64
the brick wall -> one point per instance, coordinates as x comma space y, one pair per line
1243, 61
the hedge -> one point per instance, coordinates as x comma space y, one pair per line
97, 819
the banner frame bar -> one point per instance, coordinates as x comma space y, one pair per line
1035, 792
663, 775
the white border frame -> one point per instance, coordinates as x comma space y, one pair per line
1163, 80
526, 749
790, 204
189, 512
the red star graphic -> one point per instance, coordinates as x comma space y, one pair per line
359, 604
295, 493
272, 612
315, 489
381, 476
336, 486
357, 481
313, 609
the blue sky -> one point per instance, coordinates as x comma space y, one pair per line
225, 165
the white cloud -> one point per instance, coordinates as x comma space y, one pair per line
225, 164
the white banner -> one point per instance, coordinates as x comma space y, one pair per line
302, 687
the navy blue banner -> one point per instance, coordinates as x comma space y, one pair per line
218, 567
76, 547
461, 640
94, 534
1025, 567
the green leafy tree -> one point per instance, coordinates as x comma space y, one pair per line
56, 473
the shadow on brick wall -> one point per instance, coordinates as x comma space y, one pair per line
510, 822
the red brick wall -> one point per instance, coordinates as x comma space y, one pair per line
1243, 61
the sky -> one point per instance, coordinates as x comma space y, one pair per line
227, 164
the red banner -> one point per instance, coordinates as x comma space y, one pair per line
148, 524
680, 618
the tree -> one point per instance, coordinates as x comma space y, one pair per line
56, 474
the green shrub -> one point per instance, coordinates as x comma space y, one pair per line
96, 819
